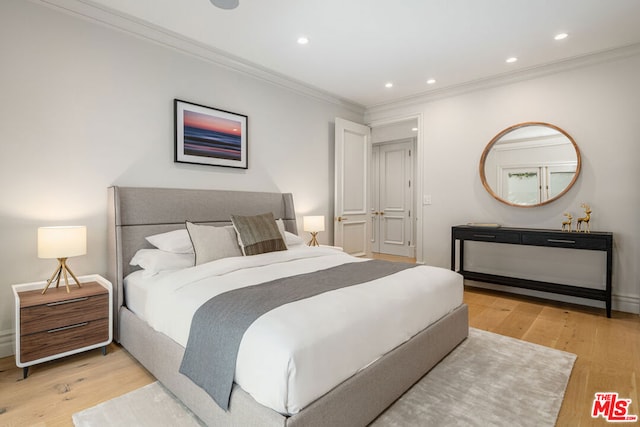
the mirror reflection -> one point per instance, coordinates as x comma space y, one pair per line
530, 164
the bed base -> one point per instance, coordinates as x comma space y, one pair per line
355, 402
136, 212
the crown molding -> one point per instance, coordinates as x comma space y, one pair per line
507, 78
96, 13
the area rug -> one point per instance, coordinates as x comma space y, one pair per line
489, 379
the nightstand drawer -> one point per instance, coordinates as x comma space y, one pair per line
63, 313
63, 339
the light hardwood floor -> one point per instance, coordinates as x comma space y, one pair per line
608, 350
608, 360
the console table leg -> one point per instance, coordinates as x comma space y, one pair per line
453, 253
609, 279
25, 372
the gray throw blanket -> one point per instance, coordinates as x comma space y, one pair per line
219, 324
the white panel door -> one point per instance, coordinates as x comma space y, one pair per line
352, 157
395, 199
375, 198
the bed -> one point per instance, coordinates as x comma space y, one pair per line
135, 213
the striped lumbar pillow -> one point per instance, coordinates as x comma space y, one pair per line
258, 234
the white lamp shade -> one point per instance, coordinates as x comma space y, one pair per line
62, 242
313, 223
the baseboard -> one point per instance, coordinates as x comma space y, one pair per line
6, 343
627, 304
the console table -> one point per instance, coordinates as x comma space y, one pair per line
595, 241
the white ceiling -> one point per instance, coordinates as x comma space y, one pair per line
356, 46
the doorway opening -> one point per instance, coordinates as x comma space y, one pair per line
393, 188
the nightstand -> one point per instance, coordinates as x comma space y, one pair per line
58, 324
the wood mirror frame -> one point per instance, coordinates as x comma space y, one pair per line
499, 139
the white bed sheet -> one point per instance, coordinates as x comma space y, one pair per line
135, 291
296, 353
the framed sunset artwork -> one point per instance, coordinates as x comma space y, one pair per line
208, 136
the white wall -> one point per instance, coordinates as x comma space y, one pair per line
598, 105
85, 107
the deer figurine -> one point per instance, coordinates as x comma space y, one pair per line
566, 225
585, 219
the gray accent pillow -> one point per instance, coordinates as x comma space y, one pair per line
258, 234
211, 243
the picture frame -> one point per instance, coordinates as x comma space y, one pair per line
210, 136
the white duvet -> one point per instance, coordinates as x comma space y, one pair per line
296, 353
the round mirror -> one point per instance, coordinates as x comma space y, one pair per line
530, 164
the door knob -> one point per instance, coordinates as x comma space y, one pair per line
341, 218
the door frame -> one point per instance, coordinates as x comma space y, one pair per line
419, 173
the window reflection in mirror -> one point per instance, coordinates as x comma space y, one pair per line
530, 164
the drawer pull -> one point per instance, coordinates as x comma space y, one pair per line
64, 328
51, 304
485, 236
561, 241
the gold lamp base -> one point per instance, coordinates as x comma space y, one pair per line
60, 271
314, 239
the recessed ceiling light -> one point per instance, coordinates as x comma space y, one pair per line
303, 40
512, 60
414, 129
389, 84
225, 4
431, 81
561, 36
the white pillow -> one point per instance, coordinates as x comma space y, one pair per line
176, 241
212, 243
290, 239
153, 261
280, 224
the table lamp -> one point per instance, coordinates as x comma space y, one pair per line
313, 224
62, 243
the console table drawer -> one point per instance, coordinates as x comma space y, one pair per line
570, 241
488, 236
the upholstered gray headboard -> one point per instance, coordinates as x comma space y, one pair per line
137, 212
